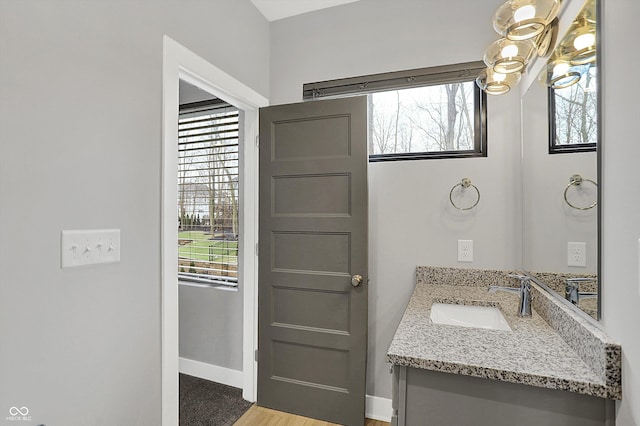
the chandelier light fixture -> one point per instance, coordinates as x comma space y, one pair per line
528, 28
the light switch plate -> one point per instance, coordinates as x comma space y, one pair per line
88, 247
577, 254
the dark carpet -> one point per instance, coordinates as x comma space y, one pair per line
205, 403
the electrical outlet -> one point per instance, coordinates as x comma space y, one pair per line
87, 247
465, 250
577, 254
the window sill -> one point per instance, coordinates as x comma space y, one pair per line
379, 158
182, 282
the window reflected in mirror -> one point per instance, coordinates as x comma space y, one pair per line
571, 75
573, 113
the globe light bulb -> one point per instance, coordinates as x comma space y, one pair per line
525, 12
509, 51
561, 68
583, 41
499, 77
495, 83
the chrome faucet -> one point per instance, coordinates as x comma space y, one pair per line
524, 307
572, 290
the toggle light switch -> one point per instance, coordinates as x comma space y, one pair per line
87, 247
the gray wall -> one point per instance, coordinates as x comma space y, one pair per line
411, 221
189, 93
211, 325
621, 203
80, 143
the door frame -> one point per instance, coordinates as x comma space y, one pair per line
178, 62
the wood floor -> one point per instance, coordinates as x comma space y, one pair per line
266, 417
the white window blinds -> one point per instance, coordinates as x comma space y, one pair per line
208, 194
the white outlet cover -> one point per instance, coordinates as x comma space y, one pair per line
465, 250
88, 247
577, 254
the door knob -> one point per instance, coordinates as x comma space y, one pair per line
356, 280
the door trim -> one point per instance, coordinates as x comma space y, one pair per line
178, 62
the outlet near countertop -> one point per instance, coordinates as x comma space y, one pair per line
465, 250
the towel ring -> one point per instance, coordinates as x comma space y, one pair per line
464, 184
577, 180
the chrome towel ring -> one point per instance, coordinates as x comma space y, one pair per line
464, 184
577, 180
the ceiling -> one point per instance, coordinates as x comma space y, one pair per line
279, 9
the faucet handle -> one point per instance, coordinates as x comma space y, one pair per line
524, 308
525, 281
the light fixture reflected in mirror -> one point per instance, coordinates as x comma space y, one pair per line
495, 83
559, 74
581, 42
524, 19
576, 53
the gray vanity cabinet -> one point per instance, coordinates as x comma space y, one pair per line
431, 398
553, 368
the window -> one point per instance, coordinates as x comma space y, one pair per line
434, 112
423, 120
208, 193
573, 114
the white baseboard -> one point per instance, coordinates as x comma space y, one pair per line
377, 408
217, 374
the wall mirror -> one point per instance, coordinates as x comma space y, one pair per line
560, 143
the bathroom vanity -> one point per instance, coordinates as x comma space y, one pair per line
553, 368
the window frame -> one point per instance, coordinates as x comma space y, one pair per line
422, 77
567, 148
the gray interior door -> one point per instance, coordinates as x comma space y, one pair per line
312, 322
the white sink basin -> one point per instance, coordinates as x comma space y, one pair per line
469, 316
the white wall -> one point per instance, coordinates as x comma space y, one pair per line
621, 203
411, 220
80, 143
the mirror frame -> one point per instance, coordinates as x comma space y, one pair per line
599, 115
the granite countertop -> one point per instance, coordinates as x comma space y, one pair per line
533, 353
